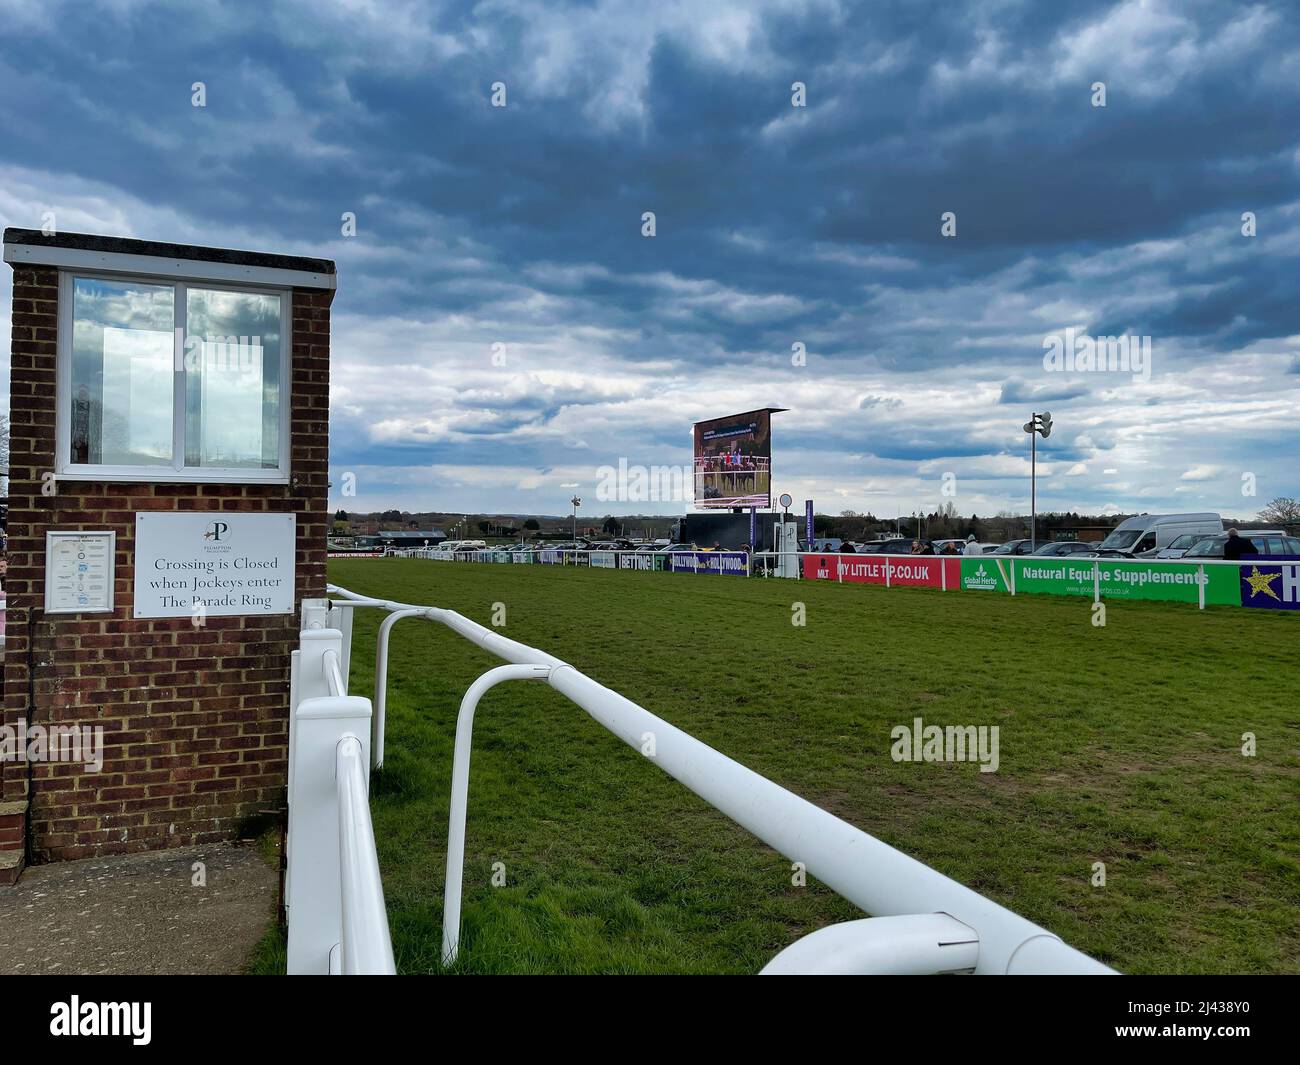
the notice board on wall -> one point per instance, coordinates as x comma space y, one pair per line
214, 563
79, 571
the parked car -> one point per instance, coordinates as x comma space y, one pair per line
1061, 548
1265, 542
899, 545
1150, 532
670, 548
1177, 547
1013, 547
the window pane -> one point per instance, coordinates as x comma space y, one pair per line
232, 379
122, 373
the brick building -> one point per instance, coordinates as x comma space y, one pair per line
126, 400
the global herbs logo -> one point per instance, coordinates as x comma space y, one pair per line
980, 579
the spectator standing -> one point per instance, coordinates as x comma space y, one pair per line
1236, 546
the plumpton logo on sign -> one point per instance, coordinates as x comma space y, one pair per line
216, 531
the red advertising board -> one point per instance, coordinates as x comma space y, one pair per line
929, 571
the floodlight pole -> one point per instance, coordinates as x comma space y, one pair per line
1038, 423
576, 504
1033, 489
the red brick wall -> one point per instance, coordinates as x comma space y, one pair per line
195, 719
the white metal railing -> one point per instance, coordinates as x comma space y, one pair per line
922, 921
334, 898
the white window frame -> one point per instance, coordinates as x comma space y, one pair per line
177, 472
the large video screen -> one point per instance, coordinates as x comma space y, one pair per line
733, 461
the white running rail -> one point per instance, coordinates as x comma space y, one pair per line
334, 898
948, 927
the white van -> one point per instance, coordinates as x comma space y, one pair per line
1145, 534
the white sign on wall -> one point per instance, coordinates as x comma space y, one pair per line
227, 564
79, 572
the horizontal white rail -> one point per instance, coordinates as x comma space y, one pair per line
877, 878
333, 674
366, 949
919, 944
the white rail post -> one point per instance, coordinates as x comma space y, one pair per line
460, 796
315, 614
341, 618
381, 678
314, 897
1200, 582
308, 683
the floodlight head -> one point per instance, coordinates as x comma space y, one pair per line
1045, 419
1028, 427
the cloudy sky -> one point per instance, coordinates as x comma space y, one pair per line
503, 328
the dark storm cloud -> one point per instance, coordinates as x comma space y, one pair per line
775, 224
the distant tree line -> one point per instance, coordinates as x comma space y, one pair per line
942, 523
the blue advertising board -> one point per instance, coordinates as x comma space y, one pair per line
726, 563
1272, 583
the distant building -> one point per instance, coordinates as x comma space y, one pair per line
1088, 534
410, 538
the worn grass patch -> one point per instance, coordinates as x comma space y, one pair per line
1119, 745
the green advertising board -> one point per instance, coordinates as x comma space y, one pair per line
985, 574
1172, 581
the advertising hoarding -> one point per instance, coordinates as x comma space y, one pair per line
924, 571
1116, 579
727, 563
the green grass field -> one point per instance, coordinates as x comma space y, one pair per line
1119, 745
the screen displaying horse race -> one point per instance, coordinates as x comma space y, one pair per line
733, 461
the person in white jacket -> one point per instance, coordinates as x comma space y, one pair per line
972, 548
